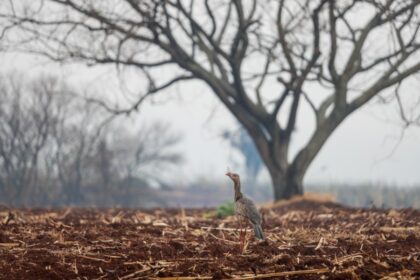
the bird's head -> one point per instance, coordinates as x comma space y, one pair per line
233, 176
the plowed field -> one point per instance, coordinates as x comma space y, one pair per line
305, 240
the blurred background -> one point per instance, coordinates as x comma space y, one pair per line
63, 144
176, 152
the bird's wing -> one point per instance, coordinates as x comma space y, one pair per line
240, 208
252, 211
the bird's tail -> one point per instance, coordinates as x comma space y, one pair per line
258, 232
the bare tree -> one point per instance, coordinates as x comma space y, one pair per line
56, 148
73, 146
262, 59
147, 152
25, 123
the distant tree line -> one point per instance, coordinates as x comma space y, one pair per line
214, 193
371, 195
57, 149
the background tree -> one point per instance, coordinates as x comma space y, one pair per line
56, 149
262, 59
148, 150
75, 147
25, 123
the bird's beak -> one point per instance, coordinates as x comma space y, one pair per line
228, 174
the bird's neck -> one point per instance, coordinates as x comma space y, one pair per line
238, 193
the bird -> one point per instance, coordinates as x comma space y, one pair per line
245, 209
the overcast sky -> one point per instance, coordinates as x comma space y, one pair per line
367, 147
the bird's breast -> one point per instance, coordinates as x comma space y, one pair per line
240, 208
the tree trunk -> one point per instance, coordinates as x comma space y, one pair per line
286, 184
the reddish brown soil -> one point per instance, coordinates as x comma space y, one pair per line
336, 242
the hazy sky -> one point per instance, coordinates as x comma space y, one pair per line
363, 149
367, 147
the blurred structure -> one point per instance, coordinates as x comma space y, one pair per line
242, 142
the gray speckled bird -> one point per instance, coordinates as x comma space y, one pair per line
245, 209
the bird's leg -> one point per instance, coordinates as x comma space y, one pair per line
241, 229
245, 238
241, 226
238, 225
242, 236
